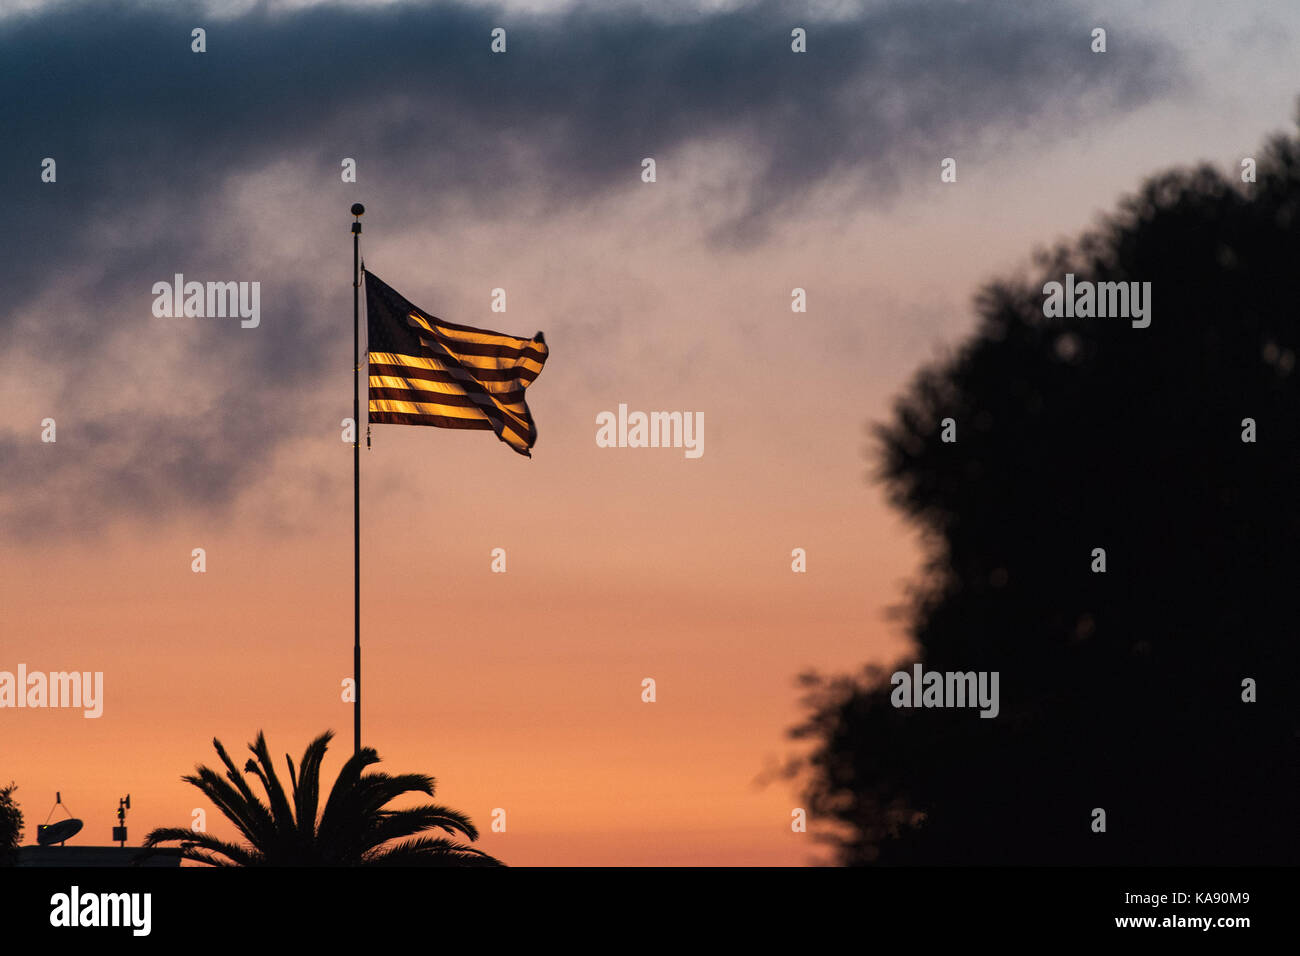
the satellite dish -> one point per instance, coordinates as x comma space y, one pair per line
49, 834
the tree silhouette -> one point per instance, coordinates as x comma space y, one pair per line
1120, 690
353, 829
11, 826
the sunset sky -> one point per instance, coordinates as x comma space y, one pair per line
522, 171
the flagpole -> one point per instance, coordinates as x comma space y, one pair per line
357, 210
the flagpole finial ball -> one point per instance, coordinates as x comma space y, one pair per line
358, 209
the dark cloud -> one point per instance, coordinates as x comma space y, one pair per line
151, 140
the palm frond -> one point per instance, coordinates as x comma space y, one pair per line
280, 808
342, 801
238, 855
377, 790
429, 851
252, 819
256, 811
306, 793
237, 779
396, 824
202, 856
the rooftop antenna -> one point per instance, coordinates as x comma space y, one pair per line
119, 831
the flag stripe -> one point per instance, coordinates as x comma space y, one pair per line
505, 390
481, 343
513, 400
434, 365
404, 418
407, 396
470, 360
428, 408
455, 329
451, 413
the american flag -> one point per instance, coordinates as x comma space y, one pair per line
424, 371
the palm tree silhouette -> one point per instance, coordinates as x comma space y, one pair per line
354, 829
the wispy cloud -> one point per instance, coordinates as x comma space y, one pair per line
153, 142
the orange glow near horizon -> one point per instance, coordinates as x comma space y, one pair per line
518, 691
